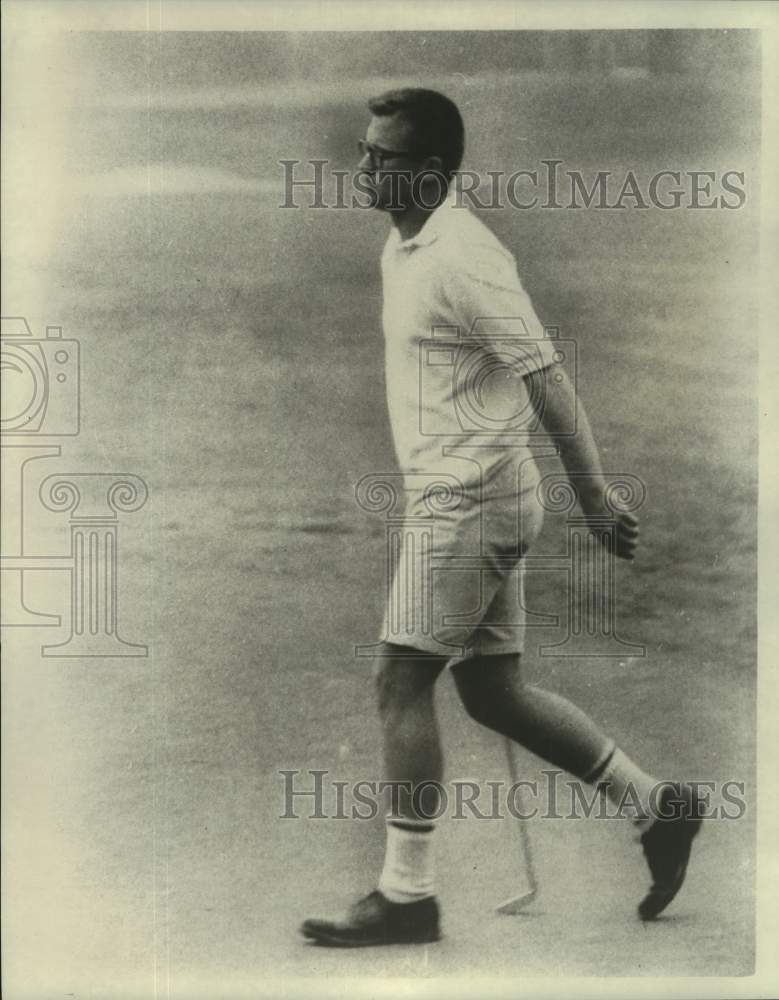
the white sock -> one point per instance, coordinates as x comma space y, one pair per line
408, 863
628, 786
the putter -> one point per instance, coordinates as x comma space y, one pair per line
515, 904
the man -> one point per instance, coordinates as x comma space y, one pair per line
442, 267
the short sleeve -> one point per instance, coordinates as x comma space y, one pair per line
486, 296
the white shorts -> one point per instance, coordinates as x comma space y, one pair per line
456, 577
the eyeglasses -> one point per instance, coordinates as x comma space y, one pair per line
378, 155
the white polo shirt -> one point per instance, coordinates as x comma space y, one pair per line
460, 333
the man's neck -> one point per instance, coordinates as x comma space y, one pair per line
409, 221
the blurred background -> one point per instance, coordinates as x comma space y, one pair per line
231, 355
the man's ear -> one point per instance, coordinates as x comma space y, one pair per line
434, 164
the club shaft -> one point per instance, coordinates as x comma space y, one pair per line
524, 833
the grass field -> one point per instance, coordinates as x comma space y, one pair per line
232, 356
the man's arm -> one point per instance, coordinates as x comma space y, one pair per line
559, 409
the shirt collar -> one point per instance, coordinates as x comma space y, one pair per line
432, 227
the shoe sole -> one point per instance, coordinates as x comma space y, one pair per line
334, 941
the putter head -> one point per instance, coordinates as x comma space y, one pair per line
517, 903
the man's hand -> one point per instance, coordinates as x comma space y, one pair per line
626, 535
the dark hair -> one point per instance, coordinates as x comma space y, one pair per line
436, 124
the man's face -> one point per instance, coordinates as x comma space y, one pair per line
390, 177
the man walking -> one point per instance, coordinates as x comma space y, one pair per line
442, 267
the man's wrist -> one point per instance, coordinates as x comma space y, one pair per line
592, 498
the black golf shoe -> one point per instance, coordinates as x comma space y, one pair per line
375, 920
667, 845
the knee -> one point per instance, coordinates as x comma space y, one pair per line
479, 704
488, 695
389, 684
402, 680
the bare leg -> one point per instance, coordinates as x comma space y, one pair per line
411, 744
403, 908
550, 726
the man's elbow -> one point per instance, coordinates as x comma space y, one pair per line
553, 399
